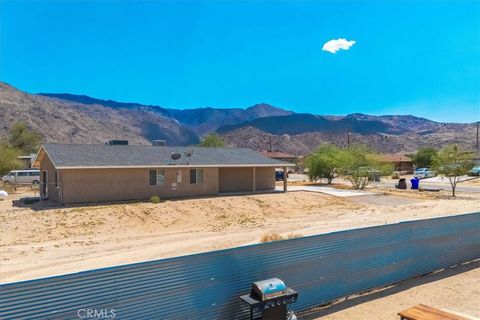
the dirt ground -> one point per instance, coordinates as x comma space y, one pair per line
455, 290
471, 182
37, 243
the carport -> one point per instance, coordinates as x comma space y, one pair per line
248, 179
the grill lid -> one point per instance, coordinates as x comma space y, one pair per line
266, 289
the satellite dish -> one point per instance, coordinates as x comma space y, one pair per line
188, 153
176, 156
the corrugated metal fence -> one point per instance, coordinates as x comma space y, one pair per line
207, 285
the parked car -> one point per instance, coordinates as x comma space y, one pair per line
422, 173
475, 171
22, 177
279, 175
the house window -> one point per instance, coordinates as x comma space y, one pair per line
157, 177
196, 176
56, 178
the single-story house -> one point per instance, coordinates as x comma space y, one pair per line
95, 173
400, 162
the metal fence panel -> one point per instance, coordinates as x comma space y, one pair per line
207, 285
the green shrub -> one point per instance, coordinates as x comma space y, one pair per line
155, 199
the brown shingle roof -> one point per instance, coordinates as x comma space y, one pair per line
394, 158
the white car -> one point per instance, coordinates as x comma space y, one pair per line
22, 177
422, 173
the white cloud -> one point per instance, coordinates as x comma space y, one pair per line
333, 46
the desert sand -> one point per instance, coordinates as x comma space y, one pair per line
453, 290
38, 243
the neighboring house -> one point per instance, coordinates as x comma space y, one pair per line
281, 156
400, 162
96, 173
27, 161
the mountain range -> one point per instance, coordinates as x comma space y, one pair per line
69, 118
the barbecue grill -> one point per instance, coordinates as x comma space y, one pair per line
270, 298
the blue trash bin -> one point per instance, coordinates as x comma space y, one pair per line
415, 183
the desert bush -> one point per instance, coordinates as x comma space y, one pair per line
155, 199
425, 157
213, 140
8, 158
324, 163
453, 162
24, 139
359, 165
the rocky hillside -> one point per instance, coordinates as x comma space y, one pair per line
300, 133
71, 118
201, 120
72, 122
305, 123
301, 144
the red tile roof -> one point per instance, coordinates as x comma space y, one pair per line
394, 158
277, 154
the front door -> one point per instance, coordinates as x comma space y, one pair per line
44, 184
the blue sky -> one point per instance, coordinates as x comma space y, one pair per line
409, 57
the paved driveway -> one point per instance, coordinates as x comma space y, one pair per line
328, 190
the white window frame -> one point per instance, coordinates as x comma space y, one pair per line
159, 177
198, 176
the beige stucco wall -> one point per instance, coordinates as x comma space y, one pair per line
235, 179
53, 192
97, 185
264, 178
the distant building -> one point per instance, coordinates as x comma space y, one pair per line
400, 162
27, 161
281, 156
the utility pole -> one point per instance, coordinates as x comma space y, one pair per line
270, 144
348, 137
478, 123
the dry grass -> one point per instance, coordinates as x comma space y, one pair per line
10, 188
273, 236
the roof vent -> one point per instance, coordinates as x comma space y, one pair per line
176, 156
117, 143
159, 143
